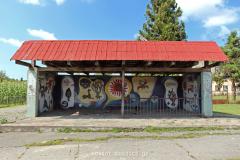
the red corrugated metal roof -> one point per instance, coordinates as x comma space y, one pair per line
84, 50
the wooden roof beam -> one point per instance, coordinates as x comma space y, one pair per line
149, 63
23, 63
127, 69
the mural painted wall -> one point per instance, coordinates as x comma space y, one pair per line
191, 91
45, 96
144, 87
171, 96
67, 92
101, 92
91, 92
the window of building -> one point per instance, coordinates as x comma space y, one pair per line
225, 88
217, 88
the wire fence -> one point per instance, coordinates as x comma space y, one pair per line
225, 98
158, 106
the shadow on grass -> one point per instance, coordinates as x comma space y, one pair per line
224, 115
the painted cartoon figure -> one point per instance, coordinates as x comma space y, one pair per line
171, 98
97, 87
45, 99
190, 94
91, 92
144, 86
88, 95
42, 105
67, 98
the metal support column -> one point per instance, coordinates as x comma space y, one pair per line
123, 93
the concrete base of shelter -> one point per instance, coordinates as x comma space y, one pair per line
55, 120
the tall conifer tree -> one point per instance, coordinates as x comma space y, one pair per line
163, 22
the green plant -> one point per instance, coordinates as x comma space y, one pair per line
3, 121
12, 92
98, 139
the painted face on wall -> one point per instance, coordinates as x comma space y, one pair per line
85, 83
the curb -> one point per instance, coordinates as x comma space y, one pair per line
5, 129
40, 129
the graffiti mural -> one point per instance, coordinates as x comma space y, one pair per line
106, 91
113, 88
144, 86
171, 97
91, 92
190, 93
67, 93
45, 98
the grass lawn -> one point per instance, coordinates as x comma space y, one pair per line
11, 105
225, 97
233, 109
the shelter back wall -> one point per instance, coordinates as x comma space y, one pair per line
105, 91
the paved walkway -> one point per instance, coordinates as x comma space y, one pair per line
13, 114
105, 122
12, 147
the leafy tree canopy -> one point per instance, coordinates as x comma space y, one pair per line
231, 68
3, 76
232, 49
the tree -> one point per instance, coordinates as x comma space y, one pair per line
231, 68
3, 76
163, 22
218, 77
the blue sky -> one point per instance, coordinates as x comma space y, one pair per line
102, 19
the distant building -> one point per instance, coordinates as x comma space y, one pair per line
225, 88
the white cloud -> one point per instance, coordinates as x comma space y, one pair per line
87, 1
224, 17
59, 2
11, 41
42, 2
42, 34
224, 31
136, 35
200, 8
211, 13
32, 2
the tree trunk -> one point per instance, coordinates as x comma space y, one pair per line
234, 89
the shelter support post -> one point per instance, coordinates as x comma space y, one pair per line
206, 94
123, 93
32, 92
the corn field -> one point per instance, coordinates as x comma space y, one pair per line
13, 92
